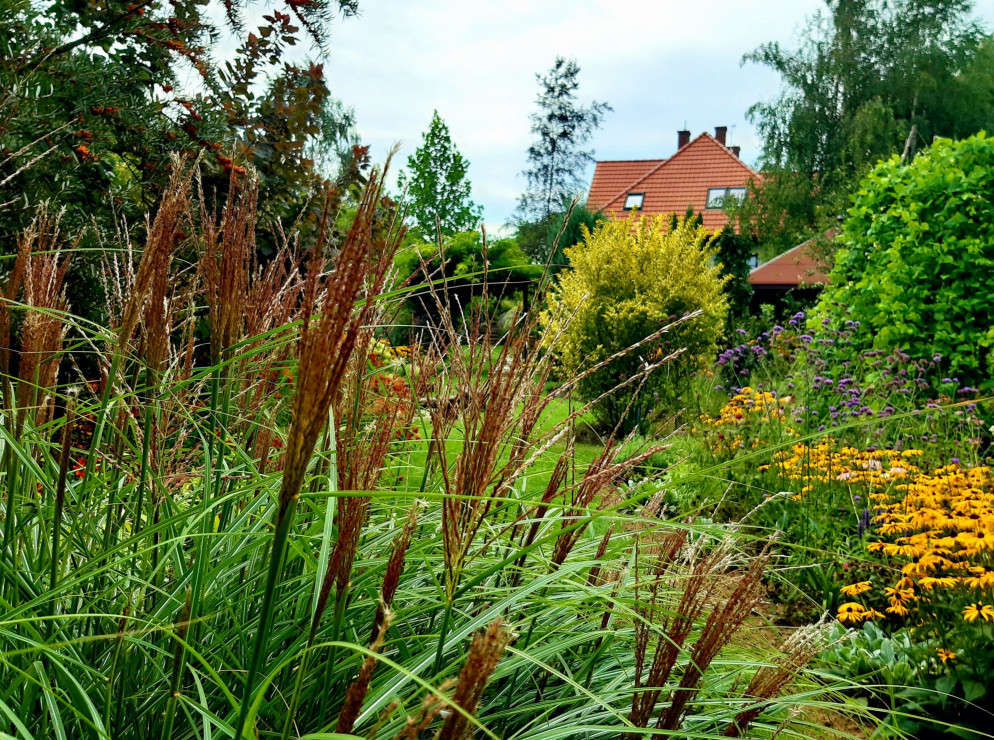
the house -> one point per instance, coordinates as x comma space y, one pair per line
702, 175
801, 271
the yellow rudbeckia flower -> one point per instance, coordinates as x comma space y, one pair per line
855, 589
976, 611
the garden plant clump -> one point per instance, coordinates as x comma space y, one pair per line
873, 464
258, 518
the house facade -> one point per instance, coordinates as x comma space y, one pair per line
703, 174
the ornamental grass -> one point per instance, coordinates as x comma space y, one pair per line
260, 520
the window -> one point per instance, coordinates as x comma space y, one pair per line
753, 261
633, 201
717, 197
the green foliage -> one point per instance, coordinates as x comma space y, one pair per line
908, 675
336, 148
98, 96
95, 99
561, 126
316, 535
628, 279
467, 274
814, 436
438, 193
866, 72
780, 212
545, 240
734, 252
915, 264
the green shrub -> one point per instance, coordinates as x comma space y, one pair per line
917, 258
464, 268
628, 280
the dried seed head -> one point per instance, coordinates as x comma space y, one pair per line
356, 694
164, 233
41, 270
395, 565
485, 652
796, 652
327, 340
228, 252
722, 623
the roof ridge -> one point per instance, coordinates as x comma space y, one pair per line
617, 161
732, 154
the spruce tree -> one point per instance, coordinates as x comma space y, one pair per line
561, 126
438, 192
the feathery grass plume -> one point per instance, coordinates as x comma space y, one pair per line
275, 300
599, 480
495, 391
769, 680
494, 387
326, 344
327, 340
485, 652
674, 626
372, 413
225, 263
11, 291
722, 623
432, 706
163, 235
43, 275
395, 566
358, 689
156, 321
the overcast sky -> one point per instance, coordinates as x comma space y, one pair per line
660, 64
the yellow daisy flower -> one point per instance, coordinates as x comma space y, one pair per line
976, 611
856, 589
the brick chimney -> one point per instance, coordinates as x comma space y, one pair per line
735, 150
682, 139
719, 134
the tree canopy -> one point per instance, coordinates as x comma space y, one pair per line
869, 77
438, 191
469, 268
914, 270
561, 126
98, 96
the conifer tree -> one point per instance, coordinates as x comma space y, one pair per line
437, 189
561, 126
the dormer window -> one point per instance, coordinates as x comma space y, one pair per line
633, 201
718, 198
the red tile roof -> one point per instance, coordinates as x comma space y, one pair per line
670, 185
797, 266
